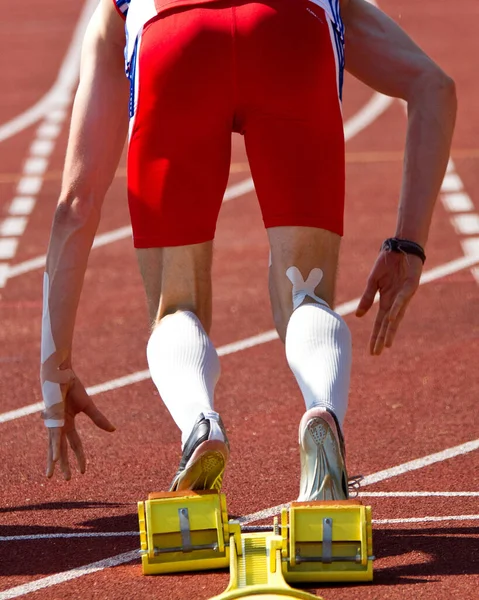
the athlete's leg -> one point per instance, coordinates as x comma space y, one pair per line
178, 169
295, 145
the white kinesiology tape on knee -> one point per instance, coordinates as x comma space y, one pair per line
318, 350
302, 288
51, 375
185, 368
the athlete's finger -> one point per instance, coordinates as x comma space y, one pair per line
64, 462
367, 298
55, 438
77, 447
376, 329
401, 301
379, 345
393, 327
99, 418
50, 463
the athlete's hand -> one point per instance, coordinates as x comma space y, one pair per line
396, 277
76, 401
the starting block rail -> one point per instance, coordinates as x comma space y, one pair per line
313, 542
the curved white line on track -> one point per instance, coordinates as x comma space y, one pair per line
60, 93
44, 582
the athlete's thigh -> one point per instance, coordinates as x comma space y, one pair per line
303, 268
293, 125
179, 151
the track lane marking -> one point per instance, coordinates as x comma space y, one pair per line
30, 184
45, 582
59, 95
426, 519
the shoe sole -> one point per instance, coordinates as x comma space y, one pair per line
204, 470
322, 464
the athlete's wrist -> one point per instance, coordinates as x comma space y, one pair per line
404, 246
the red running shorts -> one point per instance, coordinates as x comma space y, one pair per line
266, 70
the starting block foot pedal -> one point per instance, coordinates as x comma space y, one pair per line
327, 541
185, 531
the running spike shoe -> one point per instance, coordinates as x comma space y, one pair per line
204, 456
323, 469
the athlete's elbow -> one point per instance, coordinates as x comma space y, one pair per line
77, 211
436, 86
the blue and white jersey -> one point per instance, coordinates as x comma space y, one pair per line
336, 29
122, 6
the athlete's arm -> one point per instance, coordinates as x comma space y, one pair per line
382, 55
97, 136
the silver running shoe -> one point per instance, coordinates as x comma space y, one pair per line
204, 456
323, 469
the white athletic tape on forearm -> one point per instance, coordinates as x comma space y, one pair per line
302, 288
51, 391
54, 422
48, 345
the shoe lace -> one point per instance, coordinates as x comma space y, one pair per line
354, 483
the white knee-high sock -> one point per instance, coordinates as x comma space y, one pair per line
318, 350
185, 368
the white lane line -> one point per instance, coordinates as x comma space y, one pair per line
452, 182
35, 165
426, 519
59, 94
22, 205
29, 185
255, 340
420, 463
13, 226
8, 248
3, 274
239, 189
457, 202
48, 131
44, 582
418, 494
66, 536
367, 115
374, 108
470, 247
41, 148
466, 224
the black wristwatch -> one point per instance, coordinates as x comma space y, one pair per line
404, 246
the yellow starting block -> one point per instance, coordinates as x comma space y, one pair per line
315, 542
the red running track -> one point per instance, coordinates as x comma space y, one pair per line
417, 400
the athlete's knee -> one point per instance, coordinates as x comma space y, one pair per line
303, 291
